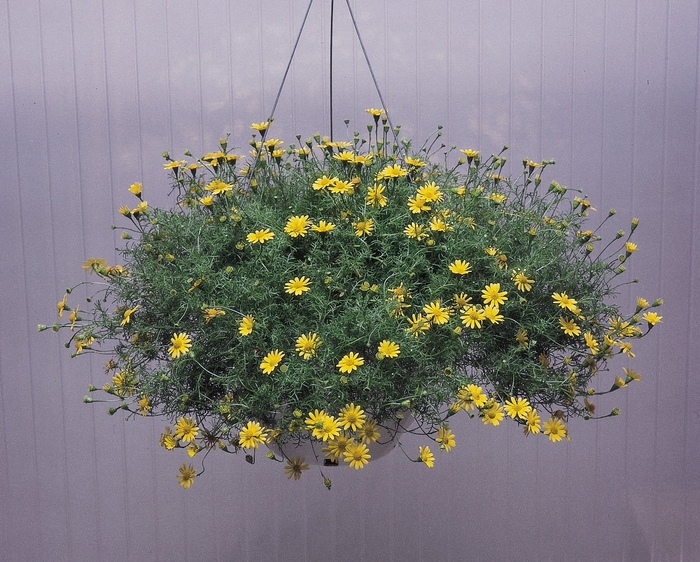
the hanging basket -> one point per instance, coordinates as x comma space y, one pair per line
315, 289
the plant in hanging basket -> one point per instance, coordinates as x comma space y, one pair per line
327, 293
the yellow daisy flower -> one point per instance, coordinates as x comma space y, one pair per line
186, 475
324, 183
252, 435
388, 348
271, 360
446, 438
522, 282
569, 326
351, 417
436, 313
652, 318
218, 187
357, 454
260, 126
369, 433
375, 196
322, 226
472, 317
564, 301
417, 204
329, 428
417, 324
297, 286
297, 225
260, 236
492, 313
555, 429
181, 344
415, 230
430, 192
186, 429
517, 407
363, 227
350, 362
493, 415
426, 456
306, 344
245, 327
492, 294
532, 422
460, 267
127, 315
415, 162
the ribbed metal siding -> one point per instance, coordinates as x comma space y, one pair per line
94, 91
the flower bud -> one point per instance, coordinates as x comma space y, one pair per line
615, 412
87, 399
42, 327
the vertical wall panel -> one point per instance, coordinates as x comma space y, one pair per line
18, 462
98, 90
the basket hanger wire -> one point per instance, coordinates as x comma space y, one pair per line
289, 64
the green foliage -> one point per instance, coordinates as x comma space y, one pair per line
399, 223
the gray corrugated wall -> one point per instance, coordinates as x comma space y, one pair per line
92, 92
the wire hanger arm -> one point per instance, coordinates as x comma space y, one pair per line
289, 64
